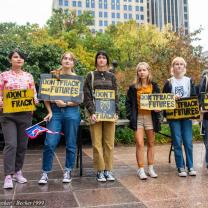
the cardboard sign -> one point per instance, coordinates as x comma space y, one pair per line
204, 101
18, 101
68, 88
160, 101
186, 108
105, 105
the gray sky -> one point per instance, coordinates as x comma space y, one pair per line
38, 11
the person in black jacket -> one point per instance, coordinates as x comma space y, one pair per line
143, 120
203, 88
181, 130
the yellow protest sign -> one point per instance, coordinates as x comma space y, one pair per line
204, 101
67, 88
105, 105
186, 108
18, 101
157, 101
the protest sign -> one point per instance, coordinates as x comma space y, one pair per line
204, 101
18, 101
105, 105
68, 88
157, 101
186, 108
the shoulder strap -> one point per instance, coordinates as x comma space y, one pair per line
92, 80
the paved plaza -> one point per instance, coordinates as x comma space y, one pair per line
168, 190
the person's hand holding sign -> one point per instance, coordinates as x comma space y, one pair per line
93, 118
60, 103
177, 97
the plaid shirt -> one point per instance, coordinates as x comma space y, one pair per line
11, 80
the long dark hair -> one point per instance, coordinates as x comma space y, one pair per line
103, 53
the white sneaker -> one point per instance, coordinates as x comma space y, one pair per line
44, 178
151, 172
18, 177
141, 173
100, 176
182, 172
191, 172
67, 177
109, 175
8, 183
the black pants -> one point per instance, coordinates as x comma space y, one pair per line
13, 127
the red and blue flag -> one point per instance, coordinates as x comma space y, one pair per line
33, 131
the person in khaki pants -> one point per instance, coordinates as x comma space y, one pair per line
102, 132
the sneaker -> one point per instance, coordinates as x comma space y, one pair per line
18, 177
100, 176
67, 177
109, 175
191, 172
182, 172
151, 172
8, 184
43, 179
142, 175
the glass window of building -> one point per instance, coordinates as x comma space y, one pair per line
100, 4
87, 3
93, 13
60, 2
141, 1
113, 15
142, 17
118, 15
93, 3
137, 17
185, 9
66, 11
79, 12
137, 8
125, 16
100, 23
117, 4
105, 23
100, 14
66, 3
74, 3
130, 16
130, 8
105, 4
105, 14
141, 8
125, 7
113, 6
79, 4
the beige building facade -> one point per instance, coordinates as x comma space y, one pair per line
107, 12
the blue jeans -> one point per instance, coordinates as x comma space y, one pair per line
66, 120
181, 132
205, 127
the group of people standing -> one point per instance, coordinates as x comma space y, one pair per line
65, 116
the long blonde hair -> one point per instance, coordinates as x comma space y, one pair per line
57, 72
176, 59
138, 81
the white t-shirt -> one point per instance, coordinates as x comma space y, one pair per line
181, 87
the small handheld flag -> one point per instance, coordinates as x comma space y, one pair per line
33, 131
